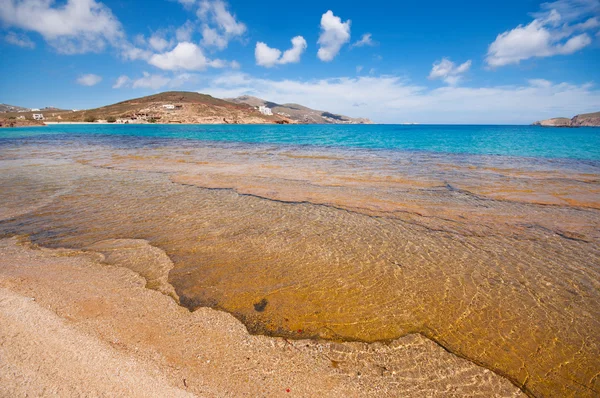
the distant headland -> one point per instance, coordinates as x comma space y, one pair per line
583, 120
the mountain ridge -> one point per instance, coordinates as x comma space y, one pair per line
186, 107
299, 113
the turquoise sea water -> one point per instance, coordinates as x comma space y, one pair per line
520, 141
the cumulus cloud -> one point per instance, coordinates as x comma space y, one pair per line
185, 56
121, 81
392, 99
74, 26
334, 34
155, 81
219, 25
89, 79
448, 71
559, 28
268, 57
20, 40
365, 40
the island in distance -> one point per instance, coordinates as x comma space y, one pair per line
583, 120
175, 107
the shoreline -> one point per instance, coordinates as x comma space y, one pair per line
96, 334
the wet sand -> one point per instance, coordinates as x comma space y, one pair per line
494, 259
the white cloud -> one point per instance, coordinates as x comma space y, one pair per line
391, 99
570, 10
542, 83
151, 81
155, 81
185, 31
552, 32
122, 81
20, 40
211, 37
133, 53
185, 56
187, 3
334, 34
89, 79
75, 26
365, 40
265, 55
219, 25
268, 57
359, 68
158, 42
293, 54
448, 71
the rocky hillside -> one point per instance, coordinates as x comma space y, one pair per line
13, 122
586, 119
12, 108
172, 107
298, 113
583, 120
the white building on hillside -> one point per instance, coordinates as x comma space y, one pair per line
169, 106
265, 110
38, 116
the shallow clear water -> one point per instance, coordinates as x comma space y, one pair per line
495, 257
530, 141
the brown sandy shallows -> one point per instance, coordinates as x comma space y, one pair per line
409, 190
71, 326
511, 285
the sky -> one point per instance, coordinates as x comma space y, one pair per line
436, 61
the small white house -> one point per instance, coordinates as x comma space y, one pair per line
169, 106
35, 110
265, 110
38, 116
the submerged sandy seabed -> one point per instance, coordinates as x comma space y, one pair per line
418, 256
72, 326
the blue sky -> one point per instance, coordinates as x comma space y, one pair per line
511, 61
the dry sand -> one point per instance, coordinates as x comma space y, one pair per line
71, 325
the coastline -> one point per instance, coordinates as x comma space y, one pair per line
102, 319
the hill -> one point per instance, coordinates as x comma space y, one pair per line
173, 107
12, 108
586, 119
583, 120
299, 113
